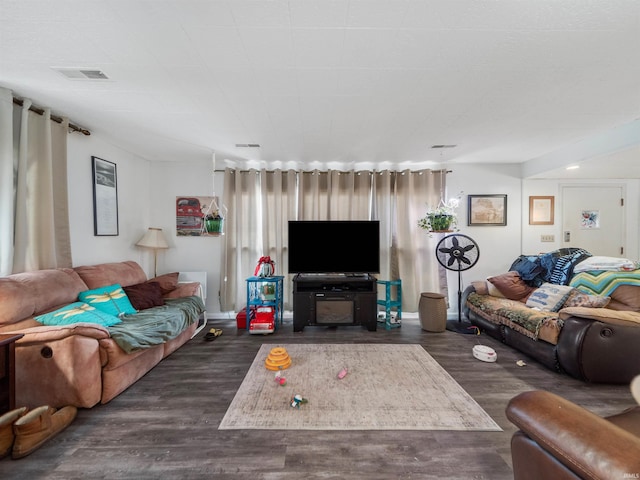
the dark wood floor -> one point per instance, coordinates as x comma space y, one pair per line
165, 425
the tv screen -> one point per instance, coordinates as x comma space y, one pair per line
334, 246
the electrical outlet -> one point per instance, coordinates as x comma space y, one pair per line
547, 238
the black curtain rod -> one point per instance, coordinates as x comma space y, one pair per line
55, 118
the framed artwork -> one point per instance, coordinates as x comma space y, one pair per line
589, 219
105, 197
487, 210
198, 217
541, 210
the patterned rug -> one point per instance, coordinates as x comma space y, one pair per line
387, 387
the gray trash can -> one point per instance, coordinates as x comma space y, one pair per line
432, 311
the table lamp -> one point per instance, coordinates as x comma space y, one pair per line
153, 238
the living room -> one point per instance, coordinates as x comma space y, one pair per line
151, 177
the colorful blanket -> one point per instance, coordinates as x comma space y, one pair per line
533, 323
601, 282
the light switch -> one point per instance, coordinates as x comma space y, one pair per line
547, 238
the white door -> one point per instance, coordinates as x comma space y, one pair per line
593, 219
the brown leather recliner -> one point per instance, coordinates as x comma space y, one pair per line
561, 440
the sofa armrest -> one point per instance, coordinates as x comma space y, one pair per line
585, 443
41, 334
186, 289
467, 291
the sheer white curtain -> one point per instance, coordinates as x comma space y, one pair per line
261, 202
35, 212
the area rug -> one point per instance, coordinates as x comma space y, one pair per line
386, 387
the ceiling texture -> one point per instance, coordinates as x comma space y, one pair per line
335, 83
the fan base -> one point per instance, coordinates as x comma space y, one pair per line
461, 327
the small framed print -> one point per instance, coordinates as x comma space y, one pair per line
541, 210
487, 210
105, 197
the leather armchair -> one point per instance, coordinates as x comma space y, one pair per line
561, 440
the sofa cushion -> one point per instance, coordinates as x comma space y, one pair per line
145, 295
628, 296
511, 285
605, 315
77, 312
124, 273
110, 299
23, 295
548, 297
168, 282
577, 298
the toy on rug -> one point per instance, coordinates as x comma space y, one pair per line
280, 380
278, 359
342, 373
297, 400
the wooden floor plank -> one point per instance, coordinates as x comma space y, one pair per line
165, 425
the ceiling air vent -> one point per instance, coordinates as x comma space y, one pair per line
82, 73
247, 145
443, 146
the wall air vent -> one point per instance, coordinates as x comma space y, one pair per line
81, 73
247, 145
443, 146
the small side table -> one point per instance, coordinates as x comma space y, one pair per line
8, 371
389, 303
256, 296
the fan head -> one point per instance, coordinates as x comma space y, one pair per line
457, 252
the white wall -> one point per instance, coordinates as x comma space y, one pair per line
146, 198
531, 243
133, 208
169, 180
498, 245
147, 192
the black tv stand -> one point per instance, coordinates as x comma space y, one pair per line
334, 300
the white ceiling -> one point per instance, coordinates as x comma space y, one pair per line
324, 83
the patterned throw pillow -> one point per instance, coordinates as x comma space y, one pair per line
549, 297
580, 299
75, 313
111, 299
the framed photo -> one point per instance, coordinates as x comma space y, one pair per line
105, 197
487, 210
541, 210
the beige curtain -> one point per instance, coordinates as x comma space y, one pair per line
242, 199
261, 202
412, 248
38, 236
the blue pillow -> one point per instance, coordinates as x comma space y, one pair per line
77, 312
111, 299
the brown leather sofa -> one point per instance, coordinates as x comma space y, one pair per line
597, 345
560, 440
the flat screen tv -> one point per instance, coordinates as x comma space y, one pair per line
334, 246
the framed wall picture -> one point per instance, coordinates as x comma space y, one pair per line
487, 210
105, 197
541, 210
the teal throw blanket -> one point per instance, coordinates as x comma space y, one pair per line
156, 325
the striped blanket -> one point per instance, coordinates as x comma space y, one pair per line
600, 282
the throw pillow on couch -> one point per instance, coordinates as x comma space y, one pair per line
75, 313
110, 299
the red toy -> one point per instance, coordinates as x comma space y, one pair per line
264, 321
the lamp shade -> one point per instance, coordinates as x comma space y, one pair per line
153, 238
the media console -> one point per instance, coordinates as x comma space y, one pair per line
334, 300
